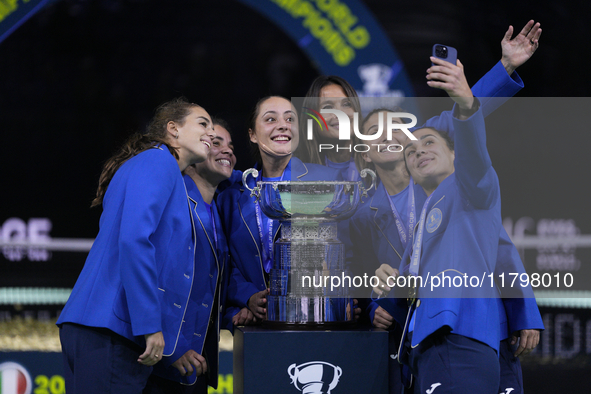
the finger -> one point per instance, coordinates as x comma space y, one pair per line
382, 277
386, 320
380, 323
386, 269
440, 62
532, 33
148, 357
181, 369
260, 313
533, 339
385, 324
189, 367
439, 85
537, 36
513, 340
261, 301
441, 77
459, 64
145, 354
527, 27
387, 317
508, 34
527, 347
203, 364
521, 347
382, 291
439, 69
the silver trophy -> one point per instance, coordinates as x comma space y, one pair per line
308, 254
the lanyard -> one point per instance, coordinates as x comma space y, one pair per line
411, 214
416, 251
267, 242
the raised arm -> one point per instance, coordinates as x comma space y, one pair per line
500, 82
473, 166
521, 48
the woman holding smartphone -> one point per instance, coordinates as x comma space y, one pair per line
381, 227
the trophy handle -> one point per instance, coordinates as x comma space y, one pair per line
255, 173
363, 174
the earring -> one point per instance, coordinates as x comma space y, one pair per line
177, 135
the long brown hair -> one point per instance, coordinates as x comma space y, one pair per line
175, 110
308, 149
252, 122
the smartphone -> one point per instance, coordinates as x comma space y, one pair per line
445, 52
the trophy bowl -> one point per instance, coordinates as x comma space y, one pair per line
308, 200
308, 249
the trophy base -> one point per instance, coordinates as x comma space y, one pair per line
311, 326
312, 312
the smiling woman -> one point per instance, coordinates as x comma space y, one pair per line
331, 92
271, 130
430, 159
128, 299
273, 136
220, 161
457, 235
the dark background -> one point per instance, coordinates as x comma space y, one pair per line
80, 76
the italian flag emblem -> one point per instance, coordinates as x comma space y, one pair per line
14, 379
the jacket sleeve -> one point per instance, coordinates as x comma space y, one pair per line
520, 305
239, 288
149, 187
493, 90
473, 167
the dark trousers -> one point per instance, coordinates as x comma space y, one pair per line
450, 363
511, 377
96, 360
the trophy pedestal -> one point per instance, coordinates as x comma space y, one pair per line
343, 361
